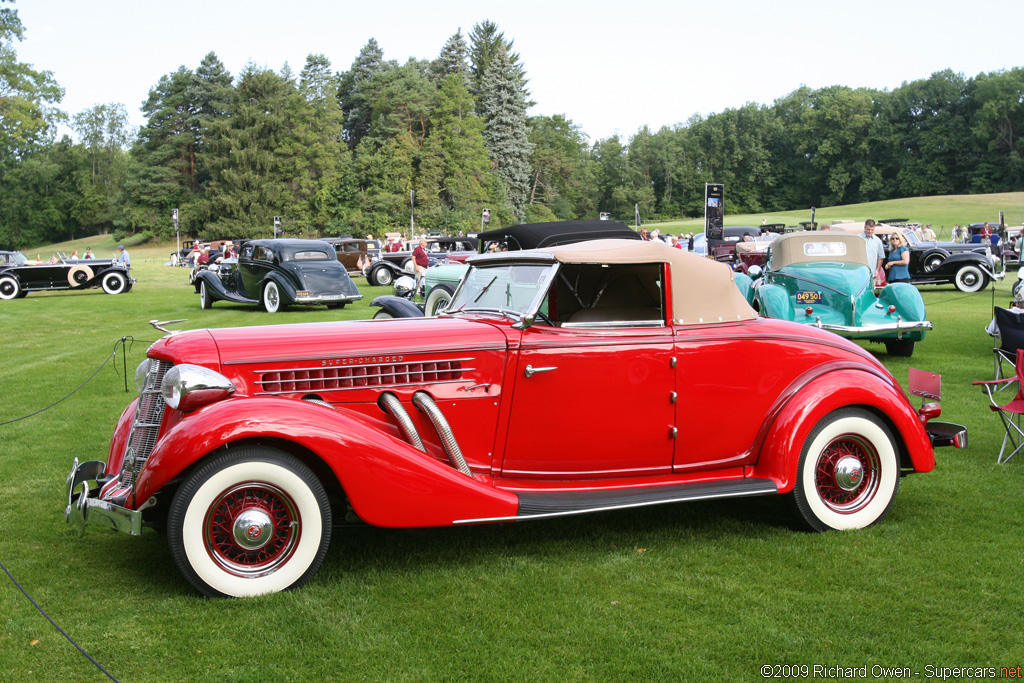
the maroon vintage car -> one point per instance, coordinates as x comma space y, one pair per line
561, 381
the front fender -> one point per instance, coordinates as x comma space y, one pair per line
813, 398
397, 306
775, 302
216, 287
955, 261
387, 481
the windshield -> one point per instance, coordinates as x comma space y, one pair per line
15, 257
508, 288
911, 237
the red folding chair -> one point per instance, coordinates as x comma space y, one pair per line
1010, 413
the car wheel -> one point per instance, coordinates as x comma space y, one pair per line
205, 298
79, 275
10, 288
848, 472
409, 266
903, 348
251, 521
271, 297
114, 283
970, 279
933, 262
382, 314
438, 299
381, 277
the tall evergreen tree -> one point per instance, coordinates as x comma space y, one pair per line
453, 60
354, 91
453, 175
503, 105
251, 179
486, 41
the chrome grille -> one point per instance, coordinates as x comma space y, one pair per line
336, 378
146, 427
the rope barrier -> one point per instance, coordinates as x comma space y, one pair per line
130, 341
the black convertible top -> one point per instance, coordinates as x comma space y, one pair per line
537, 235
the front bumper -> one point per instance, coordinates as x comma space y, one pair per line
85, 506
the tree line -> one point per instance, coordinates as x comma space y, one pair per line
357, 151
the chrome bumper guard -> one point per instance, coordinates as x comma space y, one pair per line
83, 508
946, 434
899, 327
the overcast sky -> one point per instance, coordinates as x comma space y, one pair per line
611, 67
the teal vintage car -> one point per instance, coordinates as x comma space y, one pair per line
822, 279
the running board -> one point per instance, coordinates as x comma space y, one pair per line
542, 504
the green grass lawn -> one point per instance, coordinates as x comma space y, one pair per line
700, 591
941, 212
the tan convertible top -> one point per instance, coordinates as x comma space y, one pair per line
703, 290
824, 246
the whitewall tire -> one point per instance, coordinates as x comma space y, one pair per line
252, 521
848, 472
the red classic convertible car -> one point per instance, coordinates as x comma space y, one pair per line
246, 443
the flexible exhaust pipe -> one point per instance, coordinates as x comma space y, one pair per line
390, 404
425, 403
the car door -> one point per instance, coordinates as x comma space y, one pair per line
252, 268
591, 404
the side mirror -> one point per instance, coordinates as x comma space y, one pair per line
755, 272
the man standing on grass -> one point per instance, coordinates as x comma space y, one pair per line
876, 250
122, 256
421, 261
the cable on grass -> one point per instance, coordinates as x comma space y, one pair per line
54, 623
122, 342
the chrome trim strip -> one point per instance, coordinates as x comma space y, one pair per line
667, 469
767, 489
616, 324
334, 356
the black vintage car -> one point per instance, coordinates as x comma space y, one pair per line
277, 273
969, 267
19, 276
392, 265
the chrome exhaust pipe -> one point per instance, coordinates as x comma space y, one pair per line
425, 403
390, 404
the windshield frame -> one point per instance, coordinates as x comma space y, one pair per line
534, 305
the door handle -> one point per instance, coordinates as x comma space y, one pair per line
530, 370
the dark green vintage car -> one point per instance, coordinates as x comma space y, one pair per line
822, 279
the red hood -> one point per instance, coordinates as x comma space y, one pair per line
309, 341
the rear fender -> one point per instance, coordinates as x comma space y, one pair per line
775, 302
905, 297
387, 481
785, 433
746, 286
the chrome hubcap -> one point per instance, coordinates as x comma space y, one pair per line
253, 529
849, 473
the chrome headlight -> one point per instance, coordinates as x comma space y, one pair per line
187, 387
404, 285
141, 373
